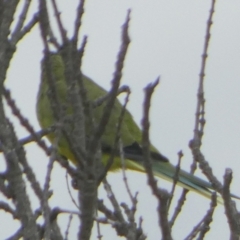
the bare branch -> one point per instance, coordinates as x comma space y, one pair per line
204, 225
78, 20
232, 214
62, 31
175, 179
161, 195
25, 30
115, 86
18, 33
24, 121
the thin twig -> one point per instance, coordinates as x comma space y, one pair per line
68, 226
78, 20
204, 225
115, 86
24, 121
62, 31
161, 195
175, 178
21, 19
232, 214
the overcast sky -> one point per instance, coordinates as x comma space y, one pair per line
167, 40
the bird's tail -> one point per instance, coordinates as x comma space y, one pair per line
186, 180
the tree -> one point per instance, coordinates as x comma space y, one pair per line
18, 174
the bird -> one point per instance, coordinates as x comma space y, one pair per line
131, 134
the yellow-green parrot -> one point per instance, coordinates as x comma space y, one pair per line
130, 132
